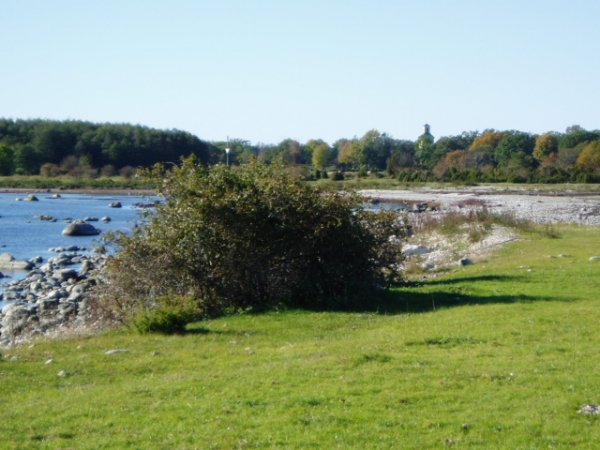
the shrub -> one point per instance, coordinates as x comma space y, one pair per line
253, 237
169, 315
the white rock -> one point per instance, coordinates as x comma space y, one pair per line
114, 351
411, 249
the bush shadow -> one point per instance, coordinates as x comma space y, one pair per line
405, 299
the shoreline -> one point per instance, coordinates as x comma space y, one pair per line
109, 191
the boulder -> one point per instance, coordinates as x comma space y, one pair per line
465, 261
8, 262
31, 198
64, 274
115, 205
105, 219
594, 258
80, 228
410, 250
90, 219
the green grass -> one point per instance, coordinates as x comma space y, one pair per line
500, 354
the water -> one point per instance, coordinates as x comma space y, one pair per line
25, 236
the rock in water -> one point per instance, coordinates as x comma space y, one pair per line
115, 205
31, 198
80, 228
8, 262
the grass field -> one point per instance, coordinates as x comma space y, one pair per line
500, 354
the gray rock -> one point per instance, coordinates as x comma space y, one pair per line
80, 228
56, 196
115, 205
31, 198
14, 318
465, 261
105, 219
410, 250
594, 258
91, 219
64, 274
86, 266
8, 262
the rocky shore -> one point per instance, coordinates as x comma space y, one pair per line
53, 299
537, 207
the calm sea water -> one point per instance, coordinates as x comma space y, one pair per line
25, 236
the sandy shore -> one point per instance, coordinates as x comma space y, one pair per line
564, 207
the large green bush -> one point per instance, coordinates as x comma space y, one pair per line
252, 237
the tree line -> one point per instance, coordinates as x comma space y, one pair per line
47, 147
82, 148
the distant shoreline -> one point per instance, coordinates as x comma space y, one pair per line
108, 191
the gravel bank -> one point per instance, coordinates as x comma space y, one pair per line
575, 208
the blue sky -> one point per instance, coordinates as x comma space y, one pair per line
268, 70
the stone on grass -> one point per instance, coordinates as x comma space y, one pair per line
590, 409
410, 250
594, 258
465, 261
114, 351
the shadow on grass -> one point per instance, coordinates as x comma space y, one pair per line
415, 297
458, 280
412, 297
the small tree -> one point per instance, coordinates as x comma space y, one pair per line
253, 236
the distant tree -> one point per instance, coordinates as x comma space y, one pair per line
349, 154
567, 157
7, 160
375, 149
127, 171
27, 160
545, 145
447, 144
48, 170
292, 152
401, 158
487, 141
321, 155
589, 159
576, 135
516, 148
108, 170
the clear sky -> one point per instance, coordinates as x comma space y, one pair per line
266, 70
